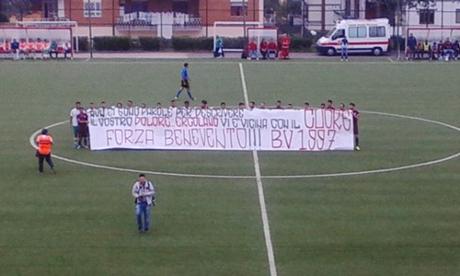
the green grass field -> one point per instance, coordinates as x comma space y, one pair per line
81, 220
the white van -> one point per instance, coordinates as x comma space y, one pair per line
364, 36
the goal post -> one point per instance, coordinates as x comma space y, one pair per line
233, 29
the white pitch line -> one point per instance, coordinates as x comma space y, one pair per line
260, 190
391, 60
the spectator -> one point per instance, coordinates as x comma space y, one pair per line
219, 47
23, 51
67, 49
342, 107
15, 49
426, 49
262, 105
448, 50
272, 49
264, 48
306, 106
322, 106
241, 105
344, 49
223, 105
434, 51
440, 50
186, 104
53, 49
252, 47
285, 43
252, 105
411, 45
456, 48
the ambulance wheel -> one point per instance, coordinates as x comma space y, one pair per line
330, 52
377, 51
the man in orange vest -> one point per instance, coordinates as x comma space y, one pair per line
44, 144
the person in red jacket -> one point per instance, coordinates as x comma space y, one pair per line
252, 50
263, 48
285, 43
272, 49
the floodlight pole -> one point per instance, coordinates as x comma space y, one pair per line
90, 30
302, 7
244, 18
398, 25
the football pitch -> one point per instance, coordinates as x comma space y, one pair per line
390, 209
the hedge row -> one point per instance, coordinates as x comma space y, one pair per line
110, 43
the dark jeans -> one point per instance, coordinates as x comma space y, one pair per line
41, 158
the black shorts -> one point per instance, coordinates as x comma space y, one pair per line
184, 84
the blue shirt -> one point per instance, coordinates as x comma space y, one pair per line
184, 73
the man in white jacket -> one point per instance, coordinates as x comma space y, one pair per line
144, 193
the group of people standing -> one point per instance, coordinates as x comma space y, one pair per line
442, 50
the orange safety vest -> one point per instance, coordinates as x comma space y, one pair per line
44, 143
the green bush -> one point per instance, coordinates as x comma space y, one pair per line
301, 44
150, 43
234, 42
83, 44
112, 43
192, 44
394, 43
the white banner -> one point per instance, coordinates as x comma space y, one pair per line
221, 129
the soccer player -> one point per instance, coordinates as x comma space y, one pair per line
44, 142
74, 122
330, 105
185, 83
355, 114
204, 104
83, 131
102, 108
278, 105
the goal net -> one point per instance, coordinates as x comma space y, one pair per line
233, 29
434, 34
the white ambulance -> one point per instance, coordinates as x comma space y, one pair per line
364, 36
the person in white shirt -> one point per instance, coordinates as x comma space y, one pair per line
143, 192
74, 122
